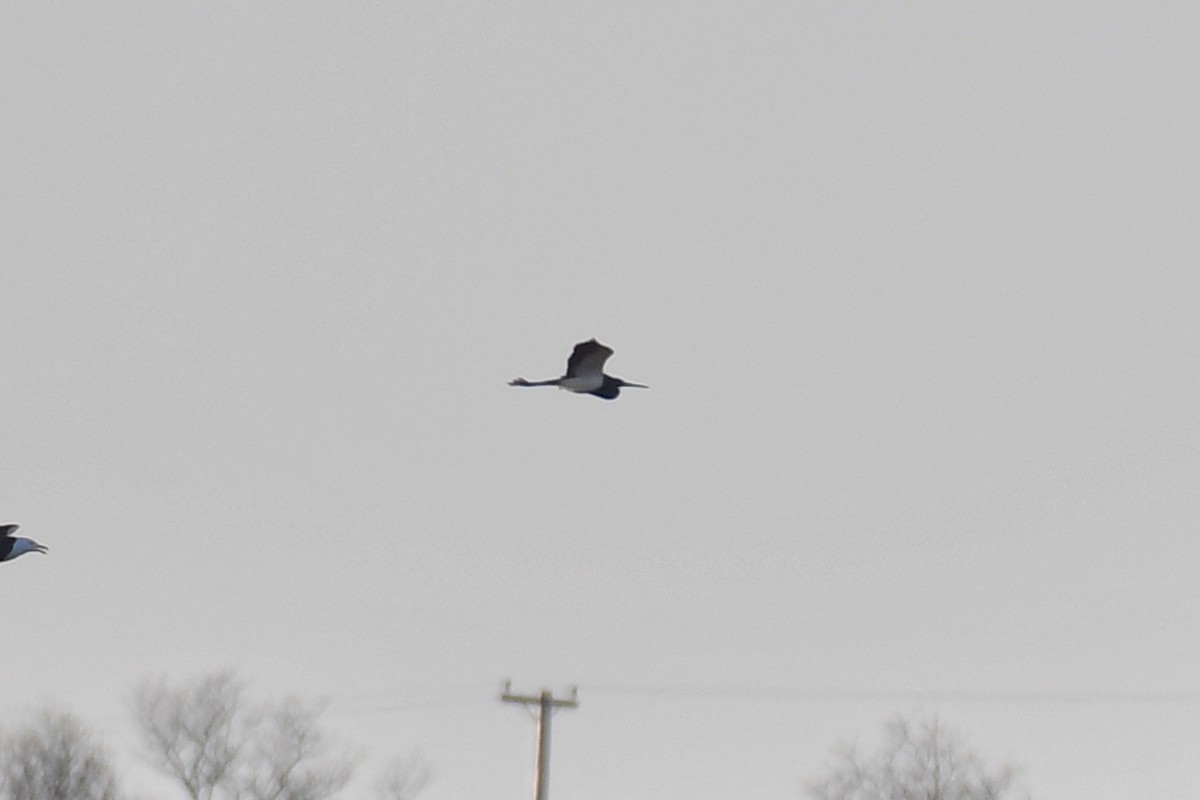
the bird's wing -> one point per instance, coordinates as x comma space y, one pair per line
7, 530
587, 357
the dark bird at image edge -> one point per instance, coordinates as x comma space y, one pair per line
13, 546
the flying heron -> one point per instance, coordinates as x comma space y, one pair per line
13, 546
585, 373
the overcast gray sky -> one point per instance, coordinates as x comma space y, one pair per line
914, 286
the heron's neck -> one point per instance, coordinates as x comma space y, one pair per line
20, 547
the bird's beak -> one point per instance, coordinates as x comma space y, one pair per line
637, 385
40, 548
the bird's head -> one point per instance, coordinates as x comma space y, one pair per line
22, 545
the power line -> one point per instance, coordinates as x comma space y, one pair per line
408, 706
410, 690
834, 695
408, 698
419, 698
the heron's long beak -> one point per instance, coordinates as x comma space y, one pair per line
40, 548
636, 385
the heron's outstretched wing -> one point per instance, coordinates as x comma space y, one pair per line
587, 358
7, 530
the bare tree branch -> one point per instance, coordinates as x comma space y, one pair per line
290, 758
190, 732
918, 761
53, 758
218, 746
404, 778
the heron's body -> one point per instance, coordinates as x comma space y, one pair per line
13, 546
585, 373
582, 384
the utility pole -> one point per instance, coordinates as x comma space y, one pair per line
546, 703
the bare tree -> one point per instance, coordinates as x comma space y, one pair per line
53, 757
191, 732
918, 761
289, 757
218, 746
404, 778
